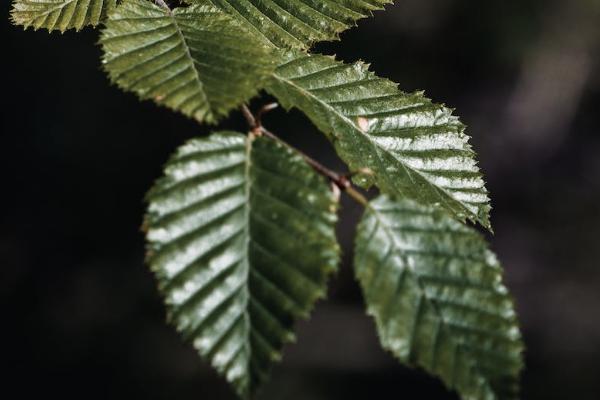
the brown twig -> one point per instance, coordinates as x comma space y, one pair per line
341, 181
249, 117
263, 110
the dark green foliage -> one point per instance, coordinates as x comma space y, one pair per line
436, 293
223, 231
411, 146
196, 60
60, 15
240, 230
297, 23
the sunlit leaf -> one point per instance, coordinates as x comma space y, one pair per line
196, 60
297, 23
411, 146
60, 15
436, 293
241, 238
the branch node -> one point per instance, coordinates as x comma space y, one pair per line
339, 182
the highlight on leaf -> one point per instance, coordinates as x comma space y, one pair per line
196, 60
436, 293
225, 227
297, 23
414, 147
60, 15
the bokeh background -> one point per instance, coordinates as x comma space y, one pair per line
81, 317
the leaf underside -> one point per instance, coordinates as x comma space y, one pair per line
436, 293
196, 60
226, 227
297, 23
413, 147
60, 15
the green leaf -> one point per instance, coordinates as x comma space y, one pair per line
436, 293
298, 23
60, 15
196, 60
413, 147
241, 238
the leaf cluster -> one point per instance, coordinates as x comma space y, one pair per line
240, 229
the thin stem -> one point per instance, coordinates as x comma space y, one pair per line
249, 116
357, 196
263, 110
339, 180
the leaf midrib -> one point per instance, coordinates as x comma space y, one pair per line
59, 5
192, 61
380, 221
247, 187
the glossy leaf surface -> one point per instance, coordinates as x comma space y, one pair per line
413, 147
297, 23
196, 60
436, 293
241, 238
60, 15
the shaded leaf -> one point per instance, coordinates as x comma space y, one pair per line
436, 293
196, 60
241, 238
60, 15
297, 23
413, 147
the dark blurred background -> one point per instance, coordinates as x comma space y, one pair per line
81, 317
